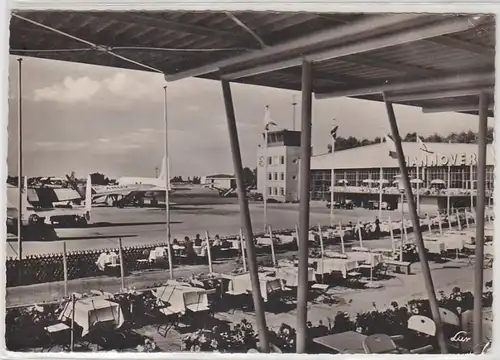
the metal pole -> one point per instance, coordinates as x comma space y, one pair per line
480, 210
305, 181
122, 270
167, 188
471, 188
322, 253
392, 235
381, 186
342, 238
20, 159
294, 104
265, 193
332, 195
448, 192
273, 253
416, 228
245, 218
243, 253
65, 269
360, 234
418, 189
72, 340
209, 253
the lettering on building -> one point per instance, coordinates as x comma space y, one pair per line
430, 160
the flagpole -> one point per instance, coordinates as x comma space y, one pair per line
471, 189
265, 192
332, 184
418, 189
448, 192
380, 188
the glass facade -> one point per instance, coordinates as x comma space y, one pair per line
460, 178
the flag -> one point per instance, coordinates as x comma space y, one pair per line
423, 147
268, 121
392, 147
333, 132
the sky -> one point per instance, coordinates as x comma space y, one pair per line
87, 118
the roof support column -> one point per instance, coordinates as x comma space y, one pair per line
480, 214
245, 217
305, 181
416, 227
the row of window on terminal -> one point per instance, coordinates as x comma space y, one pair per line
274, 191
273, 160
275, 177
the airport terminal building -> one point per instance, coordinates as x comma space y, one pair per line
450, 167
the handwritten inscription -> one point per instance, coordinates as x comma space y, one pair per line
461, 337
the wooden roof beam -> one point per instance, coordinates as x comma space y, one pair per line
451, 25
365, 25
442, 94
462, 45
454, 108
462, 80
170, 25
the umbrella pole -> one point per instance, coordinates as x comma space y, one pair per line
122, 270
322, 253
391, 232
342, 238
209, 253
360, 233
65, 269
243, 253
72, 340
273, 253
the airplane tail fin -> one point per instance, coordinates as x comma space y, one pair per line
88, 197
163, 171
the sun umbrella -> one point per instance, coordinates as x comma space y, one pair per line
438, 182
368, 181
383, 181
343, 181
416, 181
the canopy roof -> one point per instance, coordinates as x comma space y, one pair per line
434, 61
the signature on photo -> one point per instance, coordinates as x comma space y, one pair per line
464, 337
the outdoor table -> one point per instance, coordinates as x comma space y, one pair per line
290, 275
335, 264
370, 258
349, 342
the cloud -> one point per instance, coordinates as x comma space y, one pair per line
70, 91
59, 145
104, 140
83, 89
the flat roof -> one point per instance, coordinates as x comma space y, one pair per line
377, 155
435, 61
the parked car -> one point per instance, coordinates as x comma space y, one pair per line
374, 205
343, 204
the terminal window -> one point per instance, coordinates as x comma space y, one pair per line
282, 176
282, 160
282, 191
275, 176
275, 191
270, 176
270, 160
270, 191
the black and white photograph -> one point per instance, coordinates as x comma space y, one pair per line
250, 182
